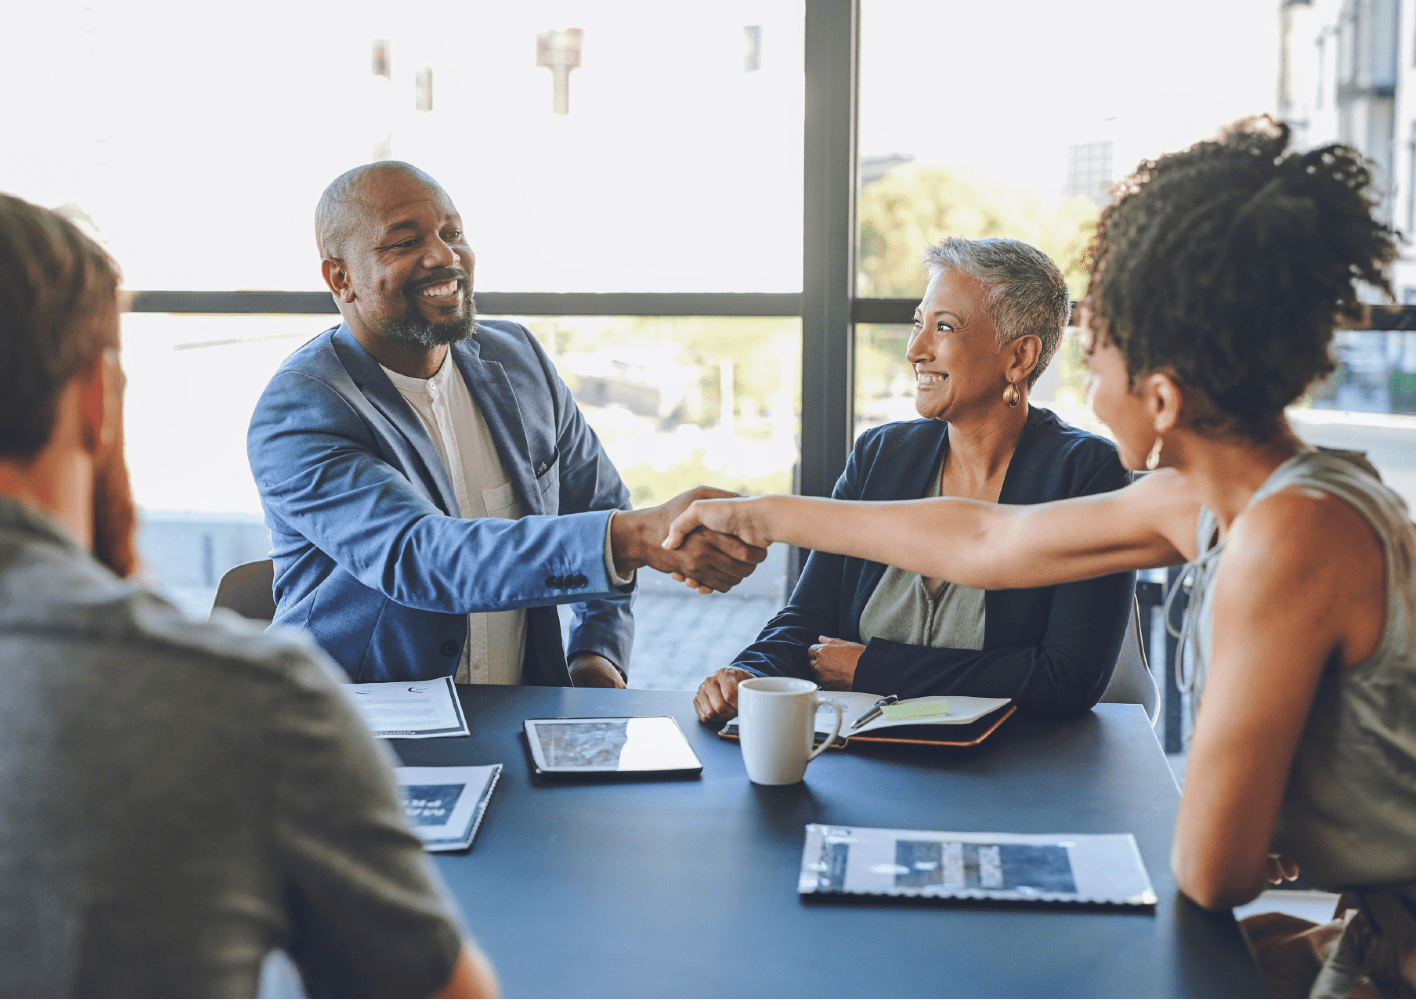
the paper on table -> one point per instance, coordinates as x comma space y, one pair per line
410, 710
445, 805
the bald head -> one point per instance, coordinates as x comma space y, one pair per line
344, 204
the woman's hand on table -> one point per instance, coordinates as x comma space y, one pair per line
716, 700
834, 661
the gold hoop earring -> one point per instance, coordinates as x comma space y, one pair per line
1153, 459
1011, 395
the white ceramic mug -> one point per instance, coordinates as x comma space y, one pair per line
776, 727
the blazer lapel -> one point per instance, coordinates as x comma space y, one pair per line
919, 474
492, 392
905, 476
380, 392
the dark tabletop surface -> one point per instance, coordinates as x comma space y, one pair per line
688, 887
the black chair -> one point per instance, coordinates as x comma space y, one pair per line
247, 590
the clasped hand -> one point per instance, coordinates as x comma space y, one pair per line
833, 661
711, 559
722, 514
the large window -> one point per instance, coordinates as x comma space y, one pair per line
198, 138
1019, 127
678, 401
710, 215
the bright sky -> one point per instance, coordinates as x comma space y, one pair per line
1006, 86
199, 136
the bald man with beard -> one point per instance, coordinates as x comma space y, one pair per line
159, 835
432, 490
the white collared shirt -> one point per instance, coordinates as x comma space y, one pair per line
496, 640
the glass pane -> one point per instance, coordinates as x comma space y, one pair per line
1368, 404
198, 145
1027, 113
677, 401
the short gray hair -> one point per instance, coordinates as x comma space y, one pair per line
1024, 291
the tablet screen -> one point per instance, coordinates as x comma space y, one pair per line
610, 745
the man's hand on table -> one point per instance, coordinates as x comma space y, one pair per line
716, 700
834, 661
589, 670
712, 560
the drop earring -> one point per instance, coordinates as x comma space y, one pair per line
1011, 395
1153, 459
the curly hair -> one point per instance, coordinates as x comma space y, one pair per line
54, 283
1230, 265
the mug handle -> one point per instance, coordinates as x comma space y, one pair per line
835, 730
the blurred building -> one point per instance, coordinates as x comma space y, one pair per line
1346, 75
1089, 172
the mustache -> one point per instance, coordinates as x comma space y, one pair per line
441, 276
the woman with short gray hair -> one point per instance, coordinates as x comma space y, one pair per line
989, 322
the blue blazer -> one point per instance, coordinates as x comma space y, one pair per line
1050, 649
371, 555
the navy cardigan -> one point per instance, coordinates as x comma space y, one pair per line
1050, 649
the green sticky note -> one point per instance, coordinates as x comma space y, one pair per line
924, 708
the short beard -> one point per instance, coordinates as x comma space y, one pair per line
114, 513
412, 327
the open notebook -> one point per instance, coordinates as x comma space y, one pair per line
946, 721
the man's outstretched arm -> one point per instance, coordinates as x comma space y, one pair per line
715, 560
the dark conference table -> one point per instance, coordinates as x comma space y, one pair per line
688, 887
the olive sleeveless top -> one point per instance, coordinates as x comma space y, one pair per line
1349, 811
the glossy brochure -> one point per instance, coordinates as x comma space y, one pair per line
445, 805
1047, 868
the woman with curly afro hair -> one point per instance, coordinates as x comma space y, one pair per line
1218, 276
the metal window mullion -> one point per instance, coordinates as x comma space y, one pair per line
488, 303
828, 230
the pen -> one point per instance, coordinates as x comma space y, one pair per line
875, 710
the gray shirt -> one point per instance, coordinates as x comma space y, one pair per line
181, 797
1349, 810
906, 607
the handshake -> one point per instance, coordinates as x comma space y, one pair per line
701, 557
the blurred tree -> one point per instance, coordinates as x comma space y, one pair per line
914, 206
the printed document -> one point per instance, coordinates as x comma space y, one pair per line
410, 710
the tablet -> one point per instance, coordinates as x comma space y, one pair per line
647, 745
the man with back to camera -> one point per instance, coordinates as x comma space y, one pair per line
179, 797
404, 456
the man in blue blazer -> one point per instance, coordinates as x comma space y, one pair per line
431, 488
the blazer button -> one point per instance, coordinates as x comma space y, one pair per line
541, 469
580, 580
449, 648
551, 582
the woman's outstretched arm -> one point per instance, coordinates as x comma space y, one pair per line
982, 545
